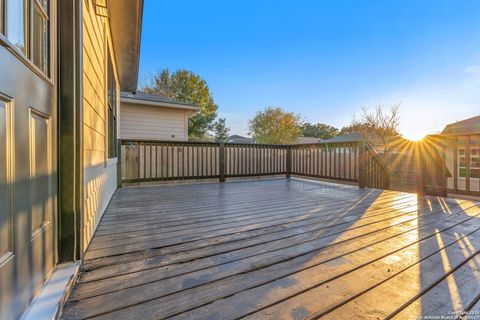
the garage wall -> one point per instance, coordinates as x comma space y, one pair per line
142, 122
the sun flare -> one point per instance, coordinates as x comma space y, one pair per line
415, 136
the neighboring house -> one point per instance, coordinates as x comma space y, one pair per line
373, 139
461, 144
239, 139
307, 140
464, 127
62, 66
349, 137
154, 117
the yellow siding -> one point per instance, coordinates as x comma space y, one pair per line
99, 175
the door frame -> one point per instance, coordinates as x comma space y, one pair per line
70, 129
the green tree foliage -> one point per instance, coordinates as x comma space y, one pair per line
276, 126
221, 131
351, 128
188, 87
319, 130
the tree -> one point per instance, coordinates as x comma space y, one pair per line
351, 128
188, 87
221, 130
276, 126
319, 130
378, 124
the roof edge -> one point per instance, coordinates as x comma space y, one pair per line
159, 103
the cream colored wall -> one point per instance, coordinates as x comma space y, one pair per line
153, 123
99, 172
461, 181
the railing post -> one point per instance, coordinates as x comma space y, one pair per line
119, 163
289, 161
221, 162
444, 166
420, 170
386, 181
362, 159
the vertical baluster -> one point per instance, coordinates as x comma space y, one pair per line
144, 160
221, 158
237, 159
244, 159
247, 160
162, 164
264, 158
272, 170
361, 164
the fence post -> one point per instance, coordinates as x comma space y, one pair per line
362, 159
444, 167
289, 161
221, 164
420, 170
119, 163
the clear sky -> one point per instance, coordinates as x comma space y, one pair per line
324, 59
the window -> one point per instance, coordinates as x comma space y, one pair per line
474, 162
40, 35
112, 109
474, 167
26, 24
462, 163
16, 21
2, 20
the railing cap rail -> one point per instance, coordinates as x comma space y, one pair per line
133, 141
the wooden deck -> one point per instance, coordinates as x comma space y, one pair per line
279, 249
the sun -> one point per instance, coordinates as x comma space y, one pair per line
414, 136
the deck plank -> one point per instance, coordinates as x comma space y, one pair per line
280, 248
277, 282
315, 212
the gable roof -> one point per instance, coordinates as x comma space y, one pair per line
307, 140
240, 139
349, 137
236, 136
155, 100
467, 126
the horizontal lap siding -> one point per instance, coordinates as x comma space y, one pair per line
99, 174
94, 86
153, 123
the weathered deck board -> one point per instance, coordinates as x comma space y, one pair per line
278, 249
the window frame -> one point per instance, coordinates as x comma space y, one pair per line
112, 104
35, 4
26, 58
2, 17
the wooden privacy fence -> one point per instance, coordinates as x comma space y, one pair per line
144, 161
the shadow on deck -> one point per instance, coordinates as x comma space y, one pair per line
279, 249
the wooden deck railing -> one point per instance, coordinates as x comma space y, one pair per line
144, 161
449, 164
354, 162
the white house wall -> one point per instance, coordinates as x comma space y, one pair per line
142, 122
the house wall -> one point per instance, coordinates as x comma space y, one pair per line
99, 172
153, 123
455, 150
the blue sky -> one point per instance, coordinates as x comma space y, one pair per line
324, 59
